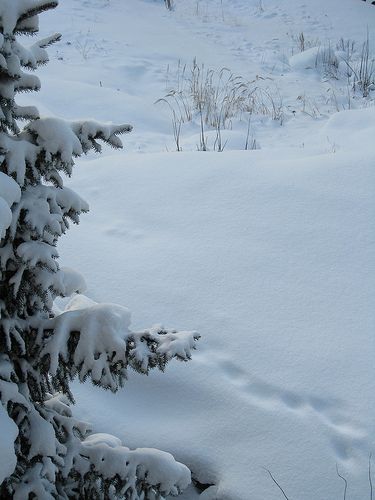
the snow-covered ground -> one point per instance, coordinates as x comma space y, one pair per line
267, 252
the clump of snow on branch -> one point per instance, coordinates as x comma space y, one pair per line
110, 459
72, 281
105, 346
9, 434
9, 194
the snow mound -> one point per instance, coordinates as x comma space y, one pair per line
351, 128
273, 261
305, 60
10, 193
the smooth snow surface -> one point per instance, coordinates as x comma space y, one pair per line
273, 260
268, 253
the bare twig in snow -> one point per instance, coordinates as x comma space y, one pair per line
369, 476
277, 484
345, 481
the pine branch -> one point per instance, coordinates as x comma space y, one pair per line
40, 7
102, 347
48, 41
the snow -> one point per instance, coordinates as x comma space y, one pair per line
268, 253
158, 467
9, 432
9, 194
10, 14
59, 137
348, 129
34, 253
304, 60
9, 190
272, 260
106, 346
73, 281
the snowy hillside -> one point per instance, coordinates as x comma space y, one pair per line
265, 248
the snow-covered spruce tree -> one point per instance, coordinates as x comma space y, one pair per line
42, 349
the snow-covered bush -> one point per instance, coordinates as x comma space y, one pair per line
43, 349
215, 100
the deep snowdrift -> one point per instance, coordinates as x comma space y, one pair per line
273, 262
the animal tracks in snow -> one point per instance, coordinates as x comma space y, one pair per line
346, 439
119, 229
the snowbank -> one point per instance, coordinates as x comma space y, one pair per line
269, 254
272, 262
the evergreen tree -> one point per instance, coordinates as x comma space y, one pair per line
41, 349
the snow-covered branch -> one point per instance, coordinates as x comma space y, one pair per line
141, 473
94, 340
9, 194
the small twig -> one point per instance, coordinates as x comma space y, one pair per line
248, 133
344, 479
369, 476
203, 142
277, 484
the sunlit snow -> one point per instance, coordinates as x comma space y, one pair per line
267, 252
